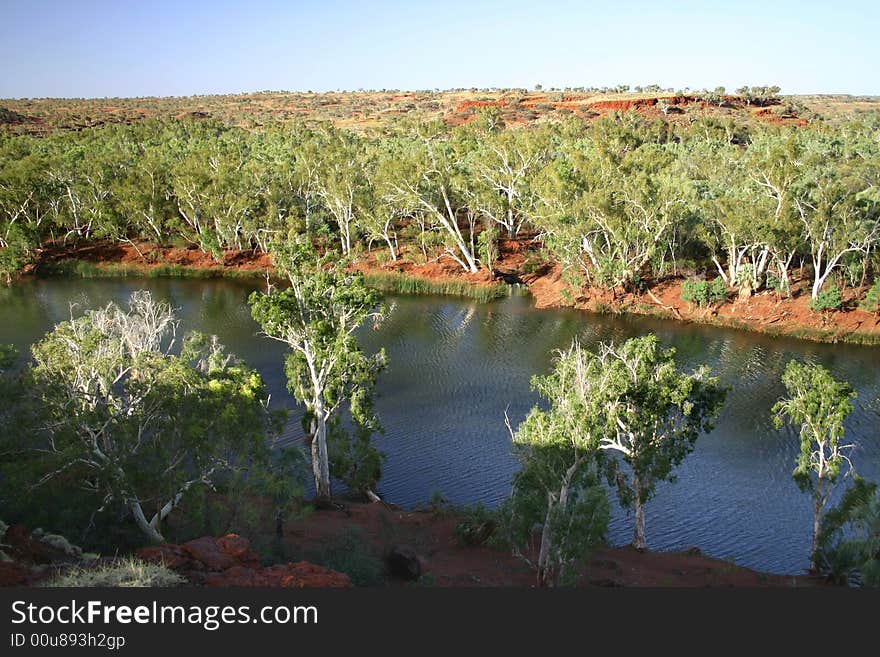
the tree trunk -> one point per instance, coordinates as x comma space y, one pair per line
320, 458
819, 503
640, 541
545, 577
140, 519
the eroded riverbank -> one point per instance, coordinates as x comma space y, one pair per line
765, 312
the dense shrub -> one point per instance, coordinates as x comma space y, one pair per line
871, 302
351, 553
849, 540
475, 525
702, 293
828, 299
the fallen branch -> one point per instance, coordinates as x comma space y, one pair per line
673, 309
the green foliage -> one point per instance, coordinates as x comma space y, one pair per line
818, 405
352, 554
487, 245
475, 524
828, 299
717, 290
16, 251
316, 317
573, 530
558, 486
9, 388
353, 458
849, 538
617, 200
871, 302
125, 425
650, 414
702, 293
85, 269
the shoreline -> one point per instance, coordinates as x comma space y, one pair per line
764, 313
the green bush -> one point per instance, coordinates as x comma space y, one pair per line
702, 293
871, 302
717, 290
350, 553
849, 539
475, 525
828, 299
122, 573
695, 292
16, 255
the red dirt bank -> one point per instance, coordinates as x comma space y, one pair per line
764, 312
430, 533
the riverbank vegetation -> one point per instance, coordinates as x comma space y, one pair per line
618, 203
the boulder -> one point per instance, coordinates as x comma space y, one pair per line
35, 546
239, 549
172, 556
404, 563
209, 551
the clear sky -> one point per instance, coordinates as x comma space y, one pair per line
108, 48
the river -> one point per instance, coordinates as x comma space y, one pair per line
455, 366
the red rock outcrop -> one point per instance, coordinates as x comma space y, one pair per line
230, 561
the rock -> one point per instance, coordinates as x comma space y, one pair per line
172, 556
606, 582
29, 556
210, 552
203, 554
60, 545
404, 563
239, 549
13, 574
21, 546
230, 561
38, 546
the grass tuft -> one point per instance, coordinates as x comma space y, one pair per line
127, 572
404, 284
85, 269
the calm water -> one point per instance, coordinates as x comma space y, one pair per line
456, 365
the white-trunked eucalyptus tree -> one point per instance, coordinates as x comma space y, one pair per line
559, 485
136, 424
819, 404
652, 416
317, 317
432, 180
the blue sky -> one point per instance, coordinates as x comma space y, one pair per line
99, 48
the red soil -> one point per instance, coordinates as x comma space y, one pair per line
466, 105
431, 534
147, 255
767, 115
